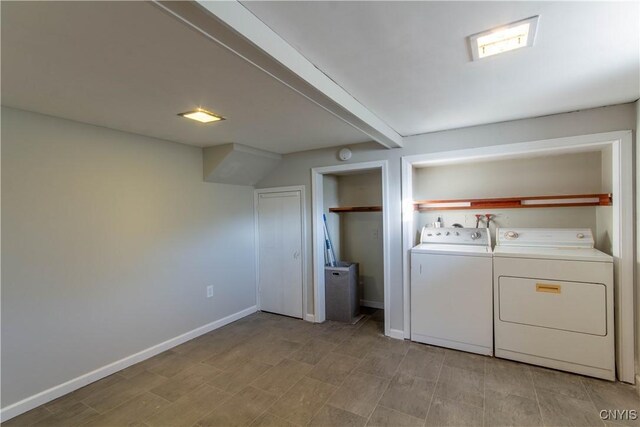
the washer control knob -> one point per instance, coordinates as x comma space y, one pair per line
457, 234
447, 233
475, 235
437, 234
580, 236
511, 235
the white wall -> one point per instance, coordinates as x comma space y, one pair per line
576, 173
295, 168
109, 242
361, 232
604, 214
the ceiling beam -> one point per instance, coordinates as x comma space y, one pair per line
234, 27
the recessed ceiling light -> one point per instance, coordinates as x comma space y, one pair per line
202, 116
503, 39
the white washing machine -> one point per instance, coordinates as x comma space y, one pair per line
553, 300
451, 289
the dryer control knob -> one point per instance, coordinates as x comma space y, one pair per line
580, 236
511, 235
475, 235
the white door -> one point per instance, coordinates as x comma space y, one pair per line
280, 253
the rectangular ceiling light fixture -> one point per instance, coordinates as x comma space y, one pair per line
503, 39
202, 116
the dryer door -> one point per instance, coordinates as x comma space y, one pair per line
569, 306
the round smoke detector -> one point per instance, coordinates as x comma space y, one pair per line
344, 154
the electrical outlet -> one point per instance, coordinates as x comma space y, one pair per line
209, 291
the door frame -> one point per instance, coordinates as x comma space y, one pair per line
621, 143
303, 226
317, 208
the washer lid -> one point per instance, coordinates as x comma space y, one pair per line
555, 253
444, 249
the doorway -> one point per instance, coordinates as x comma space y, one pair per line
368, 169
279, 246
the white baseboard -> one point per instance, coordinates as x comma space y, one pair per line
396, 333
372, 304
45, 396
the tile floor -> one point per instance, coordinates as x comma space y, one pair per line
268, 370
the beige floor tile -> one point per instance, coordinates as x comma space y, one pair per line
238, 377
510, 410
422, 363
408, 394
382, 364
239, 410
274, 351
282, 377
509, 378
143, 366
356, 345
201, 352
316, 373
74, 415
386, 345
329, 416
359, 393
28, 418
132, 412
186, 381
460, 385
313, 351
108, 398
334, 368
61, 404
190, 408
227, 359
270, 420
614, 395
463, 360
171, 365
563, 411
88, 390
427, 348
559, 382
302, 401
385, 417
454, 414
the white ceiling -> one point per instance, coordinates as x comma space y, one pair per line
131, 66
408, 62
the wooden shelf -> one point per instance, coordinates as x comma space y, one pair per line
565, 200
356, 209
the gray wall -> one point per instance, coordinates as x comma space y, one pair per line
109, 242
361, 232
637, 118
575, 173
295, 168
